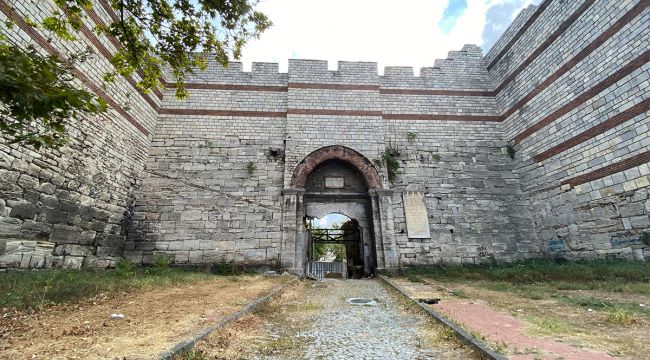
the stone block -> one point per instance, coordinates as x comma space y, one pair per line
65, 234
37, 262
633, 209
72, 262
10, 260
191, 215
191, 244
49, 201
640, 222
24, 211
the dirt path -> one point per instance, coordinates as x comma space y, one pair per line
316, 321
154, 321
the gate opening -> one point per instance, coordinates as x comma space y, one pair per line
336, 181
334, 247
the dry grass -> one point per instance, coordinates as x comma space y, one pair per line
155, 320
270, 331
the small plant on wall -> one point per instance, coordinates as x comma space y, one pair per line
645, 238
511, 151
389, 157
251, 167
411, 136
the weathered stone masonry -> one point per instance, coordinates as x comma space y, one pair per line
222, 175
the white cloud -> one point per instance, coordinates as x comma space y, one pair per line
402, 33
327, 221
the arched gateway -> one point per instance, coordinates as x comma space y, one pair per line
338, 180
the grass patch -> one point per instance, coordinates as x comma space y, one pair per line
309, 306
500, 347
621, 317
542, 270
32, 289
547, 325
459, 294
534, 279
586, 302
193, 354
605, 305
278, 346
446, 334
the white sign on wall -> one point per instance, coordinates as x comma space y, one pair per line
334, 183
417, 218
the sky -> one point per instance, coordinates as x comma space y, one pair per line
328, 220
391, 33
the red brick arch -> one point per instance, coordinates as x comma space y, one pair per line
360, 162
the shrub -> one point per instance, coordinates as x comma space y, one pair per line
161, 262
125, 268
223, 268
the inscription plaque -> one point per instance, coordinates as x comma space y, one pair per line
417, 218
334, 183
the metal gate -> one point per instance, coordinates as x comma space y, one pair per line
318, 269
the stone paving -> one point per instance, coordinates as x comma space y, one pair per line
383, 331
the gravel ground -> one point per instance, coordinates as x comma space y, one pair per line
314, 320
383, 331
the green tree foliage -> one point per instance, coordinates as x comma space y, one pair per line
338, 250
321, 249
39, 97
157, 35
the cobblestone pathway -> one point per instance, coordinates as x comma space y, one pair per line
314, 320
384, 331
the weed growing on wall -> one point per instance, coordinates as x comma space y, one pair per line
250, 168
511, 151
389, 157
411, 136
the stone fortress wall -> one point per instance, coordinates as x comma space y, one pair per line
565, 88
69, 206
574, 103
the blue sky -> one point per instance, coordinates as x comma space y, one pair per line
405, 33
454, 10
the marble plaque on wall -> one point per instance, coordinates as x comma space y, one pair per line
417, 218
334, 183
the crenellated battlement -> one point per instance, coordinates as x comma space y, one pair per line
262, 73
348, 72
462, 69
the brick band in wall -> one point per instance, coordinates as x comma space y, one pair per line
108, 56
548, 42
98, 21
618, 25
328, 112
608, 124
42, 42
614, 168
440, 92
231, 113
519, 33
236, 87
433, 92
333, 86
441, 117
582, 98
